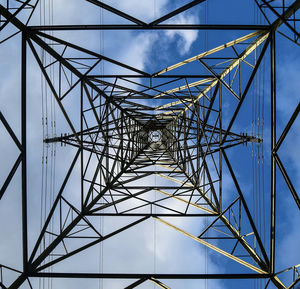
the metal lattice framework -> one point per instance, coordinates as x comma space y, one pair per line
122, 141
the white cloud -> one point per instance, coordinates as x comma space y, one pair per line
186, 37
136, 53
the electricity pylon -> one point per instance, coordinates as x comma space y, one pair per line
166, 125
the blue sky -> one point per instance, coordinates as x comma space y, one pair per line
152, 51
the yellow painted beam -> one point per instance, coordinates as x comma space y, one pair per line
183, 200
159, 283
169, 168
293, 284
175, 180
224, 253
209, 52
226, 71
193, 84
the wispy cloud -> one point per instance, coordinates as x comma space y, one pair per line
184, 38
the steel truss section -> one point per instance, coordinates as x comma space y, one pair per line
121, 142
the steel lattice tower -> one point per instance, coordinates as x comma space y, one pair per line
134, 126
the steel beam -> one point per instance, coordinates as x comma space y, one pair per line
24, 150
156, 27
148, 276
273, 161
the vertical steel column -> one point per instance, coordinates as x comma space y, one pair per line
81, 145
220, 144
24, 153
121, 140
273, 161
197, 107
107, 173
184, 140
